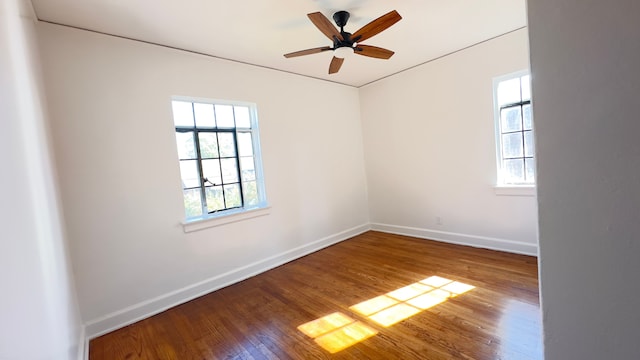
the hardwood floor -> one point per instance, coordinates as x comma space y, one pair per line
463, 303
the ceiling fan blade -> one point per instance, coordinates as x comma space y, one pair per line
323, 24
307, 51
335, 65
373, 51
376, 26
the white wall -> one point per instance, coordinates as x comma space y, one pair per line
115, 147
430, 150
39, 316
584, 58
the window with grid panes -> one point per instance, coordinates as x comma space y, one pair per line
514, 130
218, 150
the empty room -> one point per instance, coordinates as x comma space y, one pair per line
319, 179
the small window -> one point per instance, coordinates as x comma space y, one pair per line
219, 157
514, 130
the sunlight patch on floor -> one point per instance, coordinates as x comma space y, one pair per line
338, 331
400, 304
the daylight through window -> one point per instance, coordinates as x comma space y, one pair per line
514, 130
218, 150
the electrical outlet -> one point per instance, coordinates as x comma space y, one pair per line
438, 220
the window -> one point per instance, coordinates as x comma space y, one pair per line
514, 130
219, 156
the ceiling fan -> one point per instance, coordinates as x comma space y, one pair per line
345, 43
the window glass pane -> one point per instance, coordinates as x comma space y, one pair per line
224, 116
530, 170
526, 87
211, 171
218, 163
182, 113
208, 145
515, 130
229, 170
227, 144
513, 171
215, 200
189, 173
248, 168
528, 143
192, 202
245, 147
232, 195
512, 145
509, 91
186, 145
243, 120
250, 193
511, 119
204, 115
526, 115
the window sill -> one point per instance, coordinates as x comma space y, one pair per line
223, 219
515, 190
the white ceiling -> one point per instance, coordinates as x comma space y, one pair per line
259, 32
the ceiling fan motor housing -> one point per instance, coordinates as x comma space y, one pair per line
347, 42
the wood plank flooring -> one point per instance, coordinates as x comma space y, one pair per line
375, 296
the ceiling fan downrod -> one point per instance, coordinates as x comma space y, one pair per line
341, 18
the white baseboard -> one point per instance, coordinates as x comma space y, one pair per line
145, 309
83, 345
460, 239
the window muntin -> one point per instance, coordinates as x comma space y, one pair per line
218, 153
514, 130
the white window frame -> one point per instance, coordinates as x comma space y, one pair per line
502, 187
246, 211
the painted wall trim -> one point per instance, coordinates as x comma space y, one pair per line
145, 309
460, 239
83, 344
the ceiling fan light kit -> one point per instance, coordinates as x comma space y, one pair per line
343, 52
344, 43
